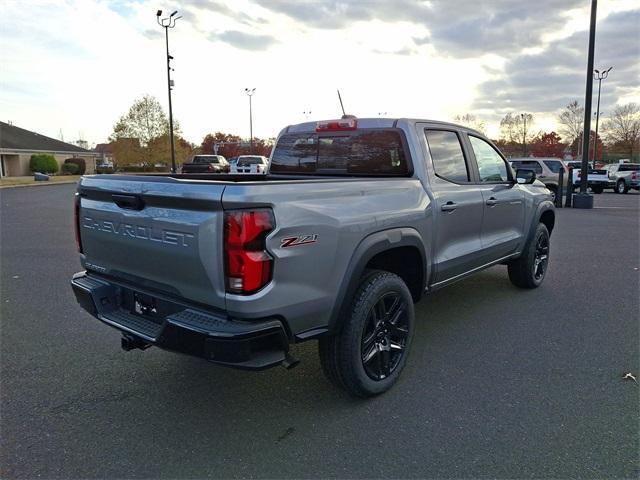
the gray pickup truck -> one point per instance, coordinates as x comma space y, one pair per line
354, 222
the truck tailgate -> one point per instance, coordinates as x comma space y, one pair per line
159, 233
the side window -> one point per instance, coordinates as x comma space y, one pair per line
446, 153
531, 165
491, 166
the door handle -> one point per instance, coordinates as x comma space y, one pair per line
492, 202
129, 202
449, 207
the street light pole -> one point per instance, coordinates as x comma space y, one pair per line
167, 23
598, 76
583, 199
250, 92
524, 134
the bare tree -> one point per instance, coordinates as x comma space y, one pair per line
471, 121
516, 128
571, 121
623, 127
508, 127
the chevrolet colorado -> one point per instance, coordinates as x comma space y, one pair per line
355, 220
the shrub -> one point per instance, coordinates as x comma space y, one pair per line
82, 166
70, 169
43, 163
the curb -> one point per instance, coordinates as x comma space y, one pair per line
40, 184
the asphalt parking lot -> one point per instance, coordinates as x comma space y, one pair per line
501, 383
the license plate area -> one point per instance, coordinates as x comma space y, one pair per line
144, 305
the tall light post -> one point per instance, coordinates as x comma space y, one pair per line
524, 134
584, 199
167, 23
250, 92
598, 75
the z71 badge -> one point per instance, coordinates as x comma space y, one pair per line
299, 240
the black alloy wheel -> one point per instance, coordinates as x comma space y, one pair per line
385, 336
541, 258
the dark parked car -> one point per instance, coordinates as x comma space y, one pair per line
206, 164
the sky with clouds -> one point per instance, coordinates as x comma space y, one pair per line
75, 66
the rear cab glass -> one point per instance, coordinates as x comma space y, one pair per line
381, 152
245, 161
629, 167
203, 159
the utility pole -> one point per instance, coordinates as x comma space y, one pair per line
598, 76
250, 92
584, 199
524, 134
167, 23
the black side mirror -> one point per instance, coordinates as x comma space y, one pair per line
524, 176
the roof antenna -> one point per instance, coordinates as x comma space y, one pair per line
341, 105
344, 115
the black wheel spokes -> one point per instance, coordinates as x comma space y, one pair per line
384, 337
541, 257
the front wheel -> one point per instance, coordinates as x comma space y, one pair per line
529, 270
370, 351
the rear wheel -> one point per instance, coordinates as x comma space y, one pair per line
597, 189
369, 353
621, 187
529, 270
554, 192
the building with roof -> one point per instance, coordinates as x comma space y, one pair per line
17, 145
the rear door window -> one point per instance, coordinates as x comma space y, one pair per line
365, 152
447, 156
554, 166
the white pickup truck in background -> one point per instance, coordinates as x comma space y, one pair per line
597, 179
255, 164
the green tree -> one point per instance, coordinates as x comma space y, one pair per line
141, 126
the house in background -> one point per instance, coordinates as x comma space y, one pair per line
17, 145
105, 154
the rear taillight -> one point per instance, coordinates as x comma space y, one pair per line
248, 265
76, 215
634, 176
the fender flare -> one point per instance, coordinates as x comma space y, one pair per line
544, 206
369, 247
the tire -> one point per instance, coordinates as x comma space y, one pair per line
598, 189
554, 192
529, 270
368, 355
621, 187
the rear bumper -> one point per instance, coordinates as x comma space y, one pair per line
247, 345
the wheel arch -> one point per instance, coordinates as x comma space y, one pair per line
399, 250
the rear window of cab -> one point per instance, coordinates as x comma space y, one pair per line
361, 152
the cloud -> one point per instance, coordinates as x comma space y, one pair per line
245, 41
152, 34
552, 78
463, 28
